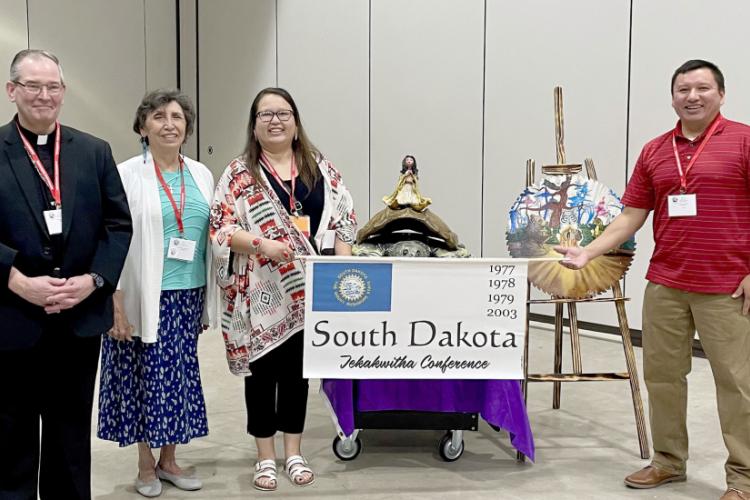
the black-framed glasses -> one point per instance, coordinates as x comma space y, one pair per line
35, 88
266, 116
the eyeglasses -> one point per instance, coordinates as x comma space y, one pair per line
266, 116
35, 88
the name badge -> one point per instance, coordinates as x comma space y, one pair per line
302, 222
53, 218
682, 205
181, 249
328, 245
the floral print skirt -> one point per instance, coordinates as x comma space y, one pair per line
152, 392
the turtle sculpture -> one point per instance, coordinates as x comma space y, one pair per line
406, 227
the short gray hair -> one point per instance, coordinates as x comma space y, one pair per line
161, 97
33, 54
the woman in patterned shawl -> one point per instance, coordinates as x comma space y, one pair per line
279, 201
150, 390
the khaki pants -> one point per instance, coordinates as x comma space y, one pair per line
670, 317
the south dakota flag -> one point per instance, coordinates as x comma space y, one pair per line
351, 287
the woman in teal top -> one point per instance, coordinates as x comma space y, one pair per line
150, 390
180, 275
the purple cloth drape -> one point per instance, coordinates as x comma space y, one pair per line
499, 402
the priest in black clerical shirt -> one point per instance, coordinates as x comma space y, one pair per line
65, 229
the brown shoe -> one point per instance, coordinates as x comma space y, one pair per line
735, 494
651, 477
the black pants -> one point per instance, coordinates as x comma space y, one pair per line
276, 393
52, 381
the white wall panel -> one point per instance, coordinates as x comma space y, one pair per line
188, 64
101, 48
324, 64
13, 37
532, 47
425, 87
236, 59
666, 34
426, 100
161, 44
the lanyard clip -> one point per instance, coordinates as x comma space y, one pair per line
297, 208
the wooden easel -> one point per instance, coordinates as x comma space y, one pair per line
578, 375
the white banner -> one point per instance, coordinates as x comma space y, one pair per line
414, 318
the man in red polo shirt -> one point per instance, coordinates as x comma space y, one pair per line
696, 179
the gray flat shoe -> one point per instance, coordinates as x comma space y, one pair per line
182, 482
149, 490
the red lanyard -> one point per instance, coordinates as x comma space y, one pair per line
295, 207
683, 175
168, 192
54, 188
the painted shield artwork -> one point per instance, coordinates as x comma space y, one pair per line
567, 210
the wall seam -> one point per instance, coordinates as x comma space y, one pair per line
178, 43
627, 117
484, 104
28, 29
369, 109
276, 14
145, 49
197, 83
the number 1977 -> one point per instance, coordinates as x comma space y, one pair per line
502, 269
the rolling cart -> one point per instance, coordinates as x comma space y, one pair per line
451, 405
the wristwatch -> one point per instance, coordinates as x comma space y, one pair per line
98, 280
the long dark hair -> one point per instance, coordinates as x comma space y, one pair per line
305, 154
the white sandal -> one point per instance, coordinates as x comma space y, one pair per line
296, 467
265, 469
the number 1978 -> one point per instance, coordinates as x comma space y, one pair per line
502, 283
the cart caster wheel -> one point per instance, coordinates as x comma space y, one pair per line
346, 449
448, 453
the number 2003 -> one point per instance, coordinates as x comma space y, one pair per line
502, 313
